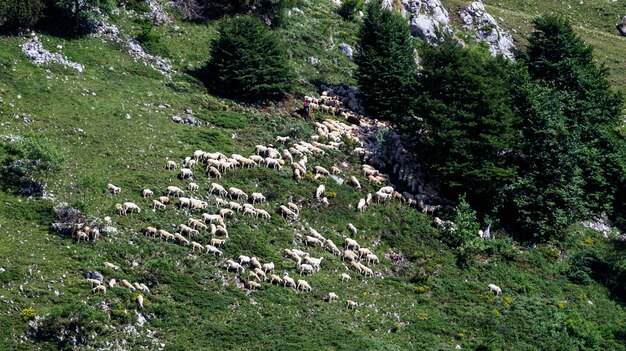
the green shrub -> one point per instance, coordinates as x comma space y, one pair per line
19, 14
248, 62
80, 16
74, 322
139, 6
31, 161
228, 119
151, 41
349, 9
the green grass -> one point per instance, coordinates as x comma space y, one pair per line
427, 303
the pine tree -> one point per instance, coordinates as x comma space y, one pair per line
386, 67
466, 101
19, 14
248, 62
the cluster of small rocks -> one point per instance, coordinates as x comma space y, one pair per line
602, 225
35, 52
426, 18
110, 32
347, 95
157, 13
487, 29
187, 119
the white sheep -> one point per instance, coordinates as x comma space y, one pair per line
164, 200
252, 285
351, 304
351, 244
94, 282
345, 277
112, 283
260, 273
225, 212
363, 251
293, 207
170, 165
114, 189
287, 213
372, 258
221, 230
273, 163
99, 288
257, 197
321, 170
331, 296
214, 250
193, 186
196, 245
249, 211
315, 262
312, 241
252, 275
175, 191
210, 218
217, 242
140, 302
127, 284
335, 170
275, 279
330, 246
303, 285
263, 213
306, 268
352, 229
320, 191
186, 173
156, 204
268, 267
219, 189
214, 172
232, 191
147, 193
495, 289
282, 139
386, 190
131, 206
362, 205
244, 259
111, 266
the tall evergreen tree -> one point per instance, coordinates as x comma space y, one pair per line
466, 100
248, 61
386, 67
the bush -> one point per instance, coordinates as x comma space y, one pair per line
31, 162
19, 14
349, 9
270, 11
79, 16
72, 323
151, 41
248, 62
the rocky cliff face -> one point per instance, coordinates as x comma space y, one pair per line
476, 18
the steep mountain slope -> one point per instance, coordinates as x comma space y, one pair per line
113, 124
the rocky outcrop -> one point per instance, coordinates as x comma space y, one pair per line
346, 50
476, 18
157, 13
110, 32
35, 52
426, 18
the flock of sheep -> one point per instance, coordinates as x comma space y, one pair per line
211, 228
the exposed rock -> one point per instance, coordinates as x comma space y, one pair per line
35, 52
427, 17
314, 61
487, 29
94, 275
621, 27
601, 224
157, 13
110, 32
346, 50
187, 120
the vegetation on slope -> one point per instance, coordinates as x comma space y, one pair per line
563, 295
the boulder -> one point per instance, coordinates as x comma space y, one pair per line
621, 27
346, 50
487, 29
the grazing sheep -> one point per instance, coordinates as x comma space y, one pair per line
275, 279
257, 197
252, 275
263, 213
131, 206
345, 277
220, 230
366, 270
244, 259
356, 266
230, 264
273, 163
361, 206
214, 250
156, 204
175, 191
144, 288
237, 192
372, 258
303, 285
170, 165
320, 191
335, 170
186, 230
306, 268
354, 181
181, 239
111, 266
252, 285
214, 172
282, 139
330, 246
364, 251
127, 285
112, 283
114, 189
185, 173
315, 262
260, 273
312, 241
140, 302
386, 190
495, 289
164, 200
268, 267
287, 213
288, 281
293, 207
331, 296
210, 218
351, 244
193, 186
120, 209
249, 211
321, 170
184, 202
368, 199
254, 263
99, 288
195, 245
147, 193
195, 224
94, 282
382, 197
217, 242
352, 229
351, 304
225, 212
220, 189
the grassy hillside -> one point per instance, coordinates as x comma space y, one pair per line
425, 301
